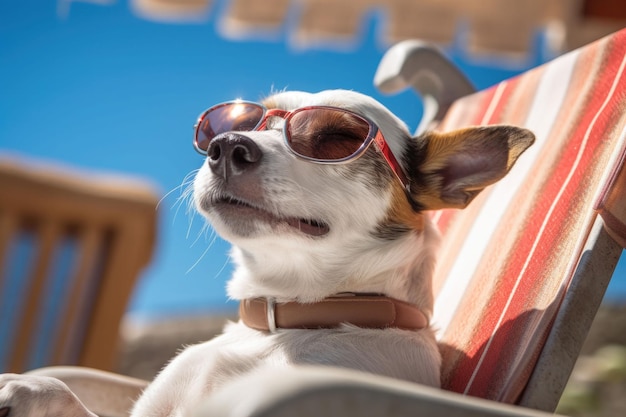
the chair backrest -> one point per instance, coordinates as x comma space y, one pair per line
71, 247
522, 270
515, 265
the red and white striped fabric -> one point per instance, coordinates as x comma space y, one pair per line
507, 259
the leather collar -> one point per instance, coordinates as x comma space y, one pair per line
366, 311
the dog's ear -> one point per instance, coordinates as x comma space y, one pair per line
458, 165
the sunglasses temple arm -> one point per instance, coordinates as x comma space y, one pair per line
382, 146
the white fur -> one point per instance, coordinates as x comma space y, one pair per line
39, 396
283, 263
287, 265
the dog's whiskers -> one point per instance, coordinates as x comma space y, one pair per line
199, 259
187, 191
186, 196
205, 227
203, 231
184, 183
221, 269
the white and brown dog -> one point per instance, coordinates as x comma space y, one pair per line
324, 198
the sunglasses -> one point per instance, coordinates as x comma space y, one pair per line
318, 134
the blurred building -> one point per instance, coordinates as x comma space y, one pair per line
500, 26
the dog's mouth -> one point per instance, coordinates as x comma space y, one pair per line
238, 211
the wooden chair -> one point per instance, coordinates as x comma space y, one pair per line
522, 270
71, 247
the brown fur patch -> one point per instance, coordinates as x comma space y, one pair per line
491, 152
401, 212
269, 103
440, 148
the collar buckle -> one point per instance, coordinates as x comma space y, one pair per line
270, 312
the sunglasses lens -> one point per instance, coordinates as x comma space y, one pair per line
226, 118
326, 134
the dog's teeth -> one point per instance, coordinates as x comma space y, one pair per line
311, 222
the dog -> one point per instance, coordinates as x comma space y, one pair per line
325, 199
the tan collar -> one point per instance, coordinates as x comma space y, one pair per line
367, 311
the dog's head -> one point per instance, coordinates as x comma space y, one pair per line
303, 229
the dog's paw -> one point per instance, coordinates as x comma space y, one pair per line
26, 396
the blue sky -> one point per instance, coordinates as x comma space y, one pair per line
104, 89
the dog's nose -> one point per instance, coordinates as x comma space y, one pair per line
232, 154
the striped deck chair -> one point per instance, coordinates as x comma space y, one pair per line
522, 270
71, 248
511, 296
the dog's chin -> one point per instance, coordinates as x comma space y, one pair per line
245, 220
